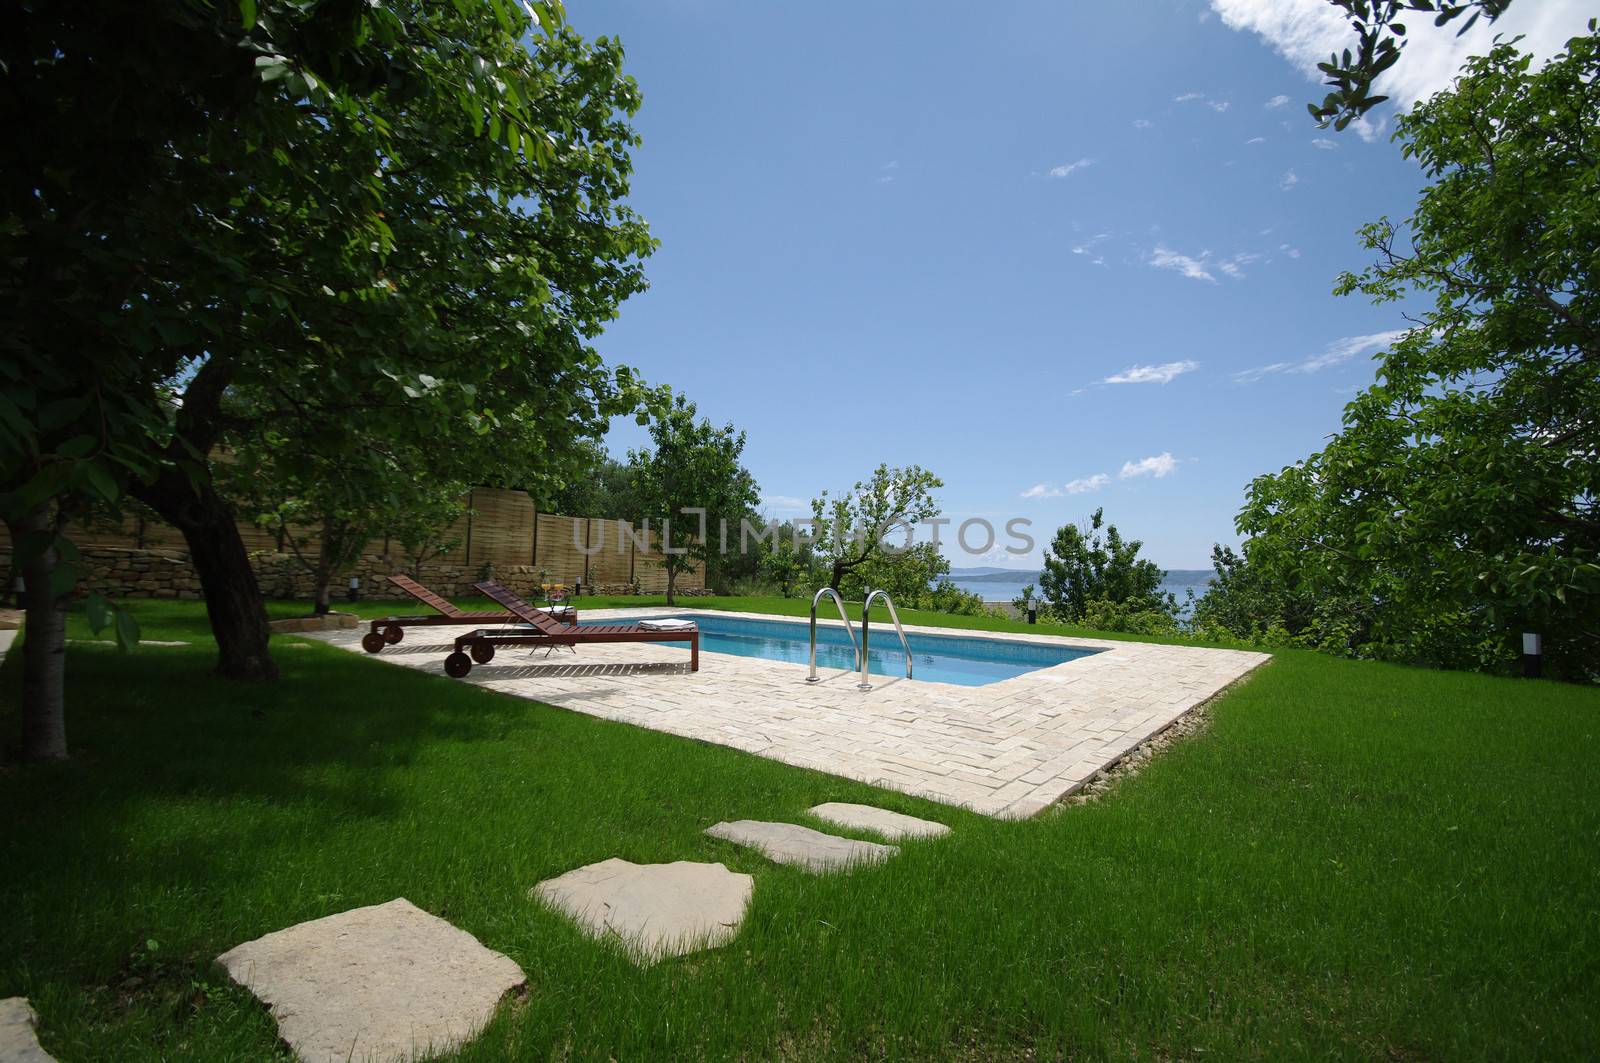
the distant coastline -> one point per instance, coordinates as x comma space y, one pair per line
1004, 584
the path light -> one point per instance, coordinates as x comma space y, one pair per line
1033, 611
1532, 655
355, 588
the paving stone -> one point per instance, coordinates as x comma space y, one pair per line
962, 745
654, 910
790, 843
18, 1043
891, 825
382, 983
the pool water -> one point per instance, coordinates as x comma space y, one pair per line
967, 662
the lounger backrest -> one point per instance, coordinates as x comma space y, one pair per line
424, 595
537, 617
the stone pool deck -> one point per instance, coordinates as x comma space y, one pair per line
1007, 749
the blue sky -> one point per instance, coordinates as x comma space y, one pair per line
1064, 255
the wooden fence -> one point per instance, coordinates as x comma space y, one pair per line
498, 528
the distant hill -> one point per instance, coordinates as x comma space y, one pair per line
1177, 577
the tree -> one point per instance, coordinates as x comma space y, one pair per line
1380, 41
1459, 505
849, 531
1083, 566
396, 209
694, 466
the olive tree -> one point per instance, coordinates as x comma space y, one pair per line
851, 529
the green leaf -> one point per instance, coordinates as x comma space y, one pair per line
63, 578
98, 611
247, 14
127, 630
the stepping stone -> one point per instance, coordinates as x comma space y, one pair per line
655, 910
790, 843
18, 1044
382, 983
891, 825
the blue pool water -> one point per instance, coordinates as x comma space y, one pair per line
967, 662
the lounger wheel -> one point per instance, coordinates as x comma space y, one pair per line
393, 634
457, 665
372, 642
483, 652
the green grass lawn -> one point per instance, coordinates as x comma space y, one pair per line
1353, 860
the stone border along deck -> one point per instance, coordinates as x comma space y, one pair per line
1008, 749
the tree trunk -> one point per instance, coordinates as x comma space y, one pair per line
324, 600
233, 598
838, 575
44, 646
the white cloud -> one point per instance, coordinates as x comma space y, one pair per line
1142, 123
1324, 143
1152, 374
784, 503
1292, 252
1160, 466
1336, 353
1305, 32
1042, 491
1067, 169
1290, 179
886, 179
1277, 101
1087, 484
1087, 248
1256, 140
1234, 267
1193, 268
1216, 105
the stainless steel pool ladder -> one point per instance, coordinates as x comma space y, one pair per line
866, 619
838, 601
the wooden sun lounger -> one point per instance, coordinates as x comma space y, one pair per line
544, 630
388, 630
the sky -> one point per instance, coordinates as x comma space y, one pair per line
1064, 255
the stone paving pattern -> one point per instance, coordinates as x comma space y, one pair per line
382, 983
1009, 748
654, 910
18, 1042
790, 843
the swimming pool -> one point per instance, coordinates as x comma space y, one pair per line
967, 662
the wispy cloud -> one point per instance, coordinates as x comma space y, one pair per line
1336, 353
1256, 140
1290, 179
1142, 123
1069, 168
1190, 97
1193, 268
1324, 143
1086, 248
785, 503
1292, 252
1306, 31
1234, 267
1080, 486
1159, 467
1153, 374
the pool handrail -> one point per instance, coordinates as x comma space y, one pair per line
838, 601
866, 616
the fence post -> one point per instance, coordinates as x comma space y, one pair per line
588, 536
533, 558
468, 561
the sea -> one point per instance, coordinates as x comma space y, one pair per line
1002, 585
